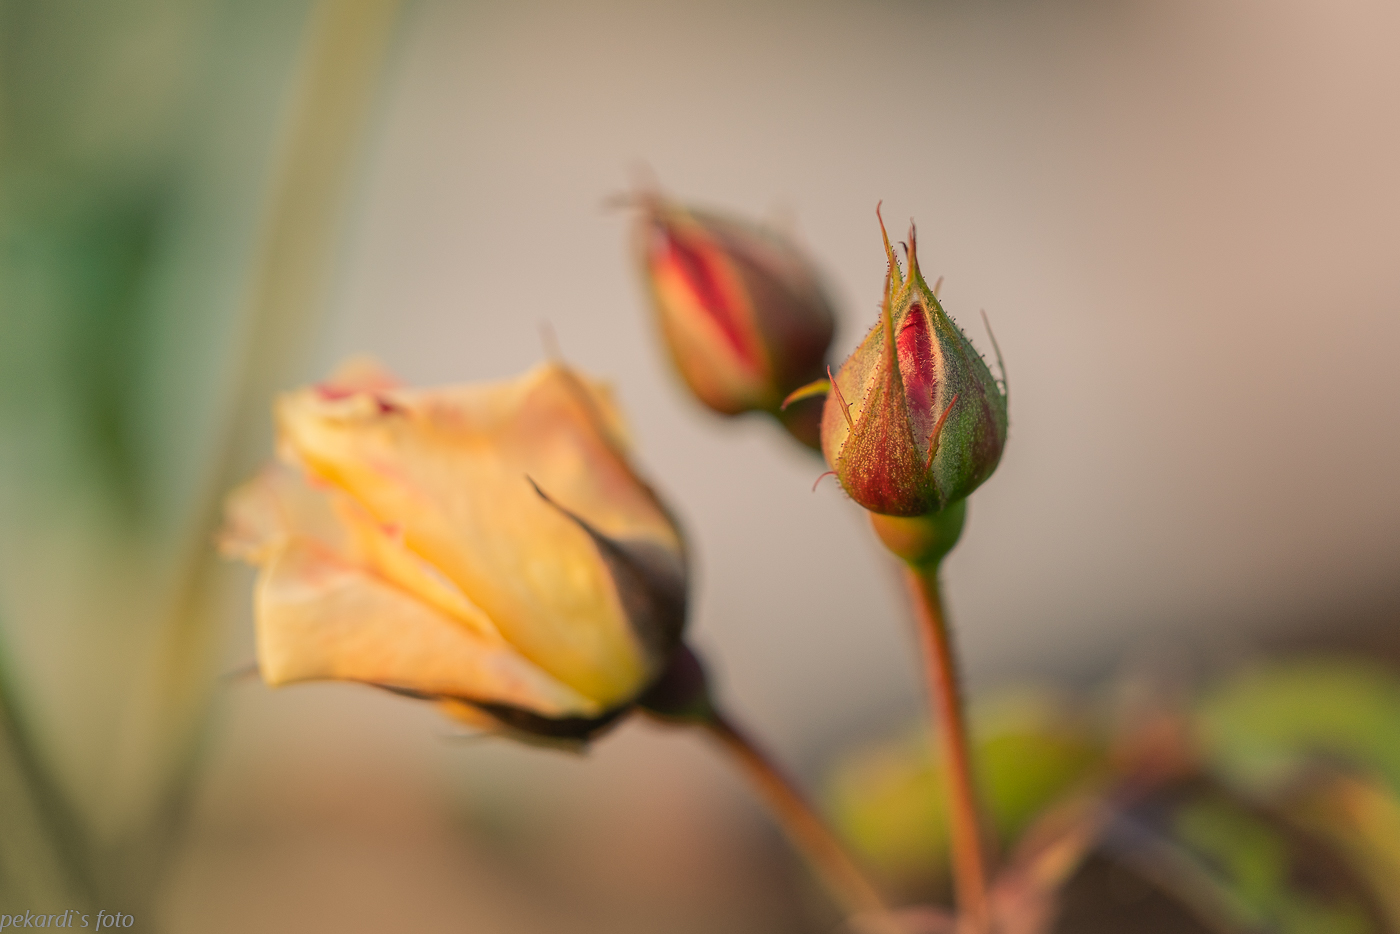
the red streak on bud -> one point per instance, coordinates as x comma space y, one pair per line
333, 393
915, 347
697, 271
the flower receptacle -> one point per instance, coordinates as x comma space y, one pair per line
921, 541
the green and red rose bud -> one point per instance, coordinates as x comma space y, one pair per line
741, 309
914, 420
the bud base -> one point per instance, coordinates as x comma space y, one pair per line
922, 541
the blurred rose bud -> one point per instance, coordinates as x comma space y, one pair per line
741, 309
914, 420
485, 546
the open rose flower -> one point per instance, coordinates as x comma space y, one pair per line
486, 546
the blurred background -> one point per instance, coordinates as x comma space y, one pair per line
1180, 219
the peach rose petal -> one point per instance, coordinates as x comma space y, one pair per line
451, 469
263, 513
319, 618
380, 548
279, 504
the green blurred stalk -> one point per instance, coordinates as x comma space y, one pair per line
131, 260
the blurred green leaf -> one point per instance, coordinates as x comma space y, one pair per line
888, 801
76, 274
889, 798
168, 218
1258, 729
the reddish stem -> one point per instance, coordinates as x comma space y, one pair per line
965, 826
807, 831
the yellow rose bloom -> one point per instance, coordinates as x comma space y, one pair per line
488, 546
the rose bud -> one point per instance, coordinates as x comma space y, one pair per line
485, 546
914, 420
741, 310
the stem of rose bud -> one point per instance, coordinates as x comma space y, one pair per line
965, 825
807, 831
